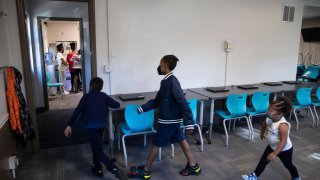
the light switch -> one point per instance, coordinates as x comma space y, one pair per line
107, 68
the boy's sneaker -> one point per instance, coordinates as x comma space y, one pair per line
251, 176
191, 170
139, 172
97, 172
114, 170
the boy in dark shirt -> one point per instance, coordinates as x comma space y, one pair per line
173, 110
94, 107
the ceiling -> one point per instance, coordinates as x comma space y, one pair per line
311, 12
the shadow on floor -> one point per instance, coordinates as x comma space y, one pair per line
51, 125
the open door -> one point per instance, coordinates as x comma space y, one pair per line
62, 92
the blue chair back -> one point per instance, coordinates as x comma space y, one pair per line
237, 104
318, 93
304, 96
193, 106
311, 72
138, 122
260, 101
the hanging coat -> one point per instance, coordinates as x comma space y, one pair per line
13, 101
25, 118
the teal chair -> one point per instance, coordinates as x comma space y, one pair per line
316, 103
311, 74
236, 109
303, 101
193, 104
136, 124
50, 85
260, 103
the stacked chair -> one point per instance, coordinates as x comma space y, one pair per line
303, 101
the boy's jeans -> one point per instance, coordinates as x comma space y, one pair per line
98, 155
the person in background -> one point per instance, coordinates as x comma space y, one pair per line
72, 60
62, 67
80, 70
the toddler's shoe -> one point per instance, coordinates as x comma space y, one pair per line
251, 176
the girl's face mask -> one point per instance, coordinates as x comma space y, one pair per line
273, 114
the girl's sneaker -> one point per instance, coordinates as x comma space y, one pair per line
251, 176
139, 172
190, 170
298, 178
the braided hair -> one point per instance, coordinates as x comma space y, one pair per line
282, 105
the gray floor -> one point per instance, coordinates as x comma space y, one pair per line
217, 161
69, 101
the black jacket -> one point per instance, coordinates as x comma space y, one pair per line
94, 107
173, 106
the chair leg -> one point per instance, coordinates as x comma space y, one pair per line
172, 151
249, 127
290, 115
315, 111
234, 124
313, 120
159, 154
124, 151
200, 136
229, 125
252, 131
119, 138
145, 140
295, 116
226, 132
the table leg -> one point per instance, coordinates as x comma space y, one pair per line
211, 120
110, 134
201, 114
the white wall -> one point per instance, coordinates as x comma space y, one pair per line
63, 31
142, 31
312, 47
10, 55
9, 37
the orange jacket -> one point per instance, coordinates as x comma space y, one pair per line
13, 101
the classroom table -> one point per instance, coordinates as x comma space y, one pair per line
223, 95
148, 96
294, 87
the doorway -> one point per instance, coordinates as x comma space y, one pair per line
68, 33
50, 123
308, 68
310, 42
